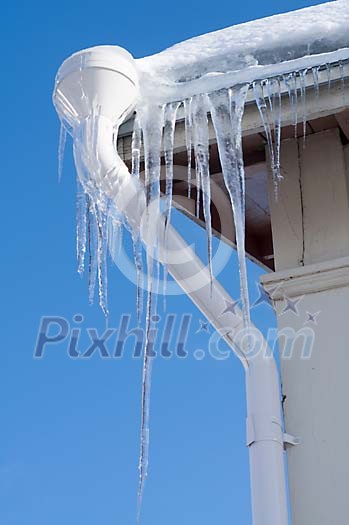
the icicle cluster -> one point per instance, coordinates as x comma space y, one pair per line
99, 224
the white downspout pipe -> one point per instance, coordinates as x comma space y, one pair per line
106, 77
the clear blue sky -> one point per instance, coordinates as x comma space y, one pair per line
69, 435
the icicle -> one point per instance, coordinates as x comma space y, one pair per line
227, 111
291, 84
341, 69
328, 72
303, 75
136, 147
102, 244
152, 126
277, 111
315, 73
188, 132
274, 98
114, 235
264, 114
137, 248
92, 250
137, 253
169, 131
82, 205
201, 150
61, 149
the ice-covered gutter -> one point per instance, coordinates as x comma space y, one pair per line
210, 77
255, 50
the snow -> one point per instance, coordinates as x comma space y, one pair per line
259, 49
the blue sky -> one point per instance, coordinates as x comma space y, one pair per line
69, 435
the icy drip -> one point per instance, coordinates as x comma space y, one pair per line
92, 251
188, 131
138, 258
152, 120
61, 149
342, 75
114, 235
202, 165
315, 72
82, 207
274, 97
303, 85
328, 73
169, 130
269, 108
93, 212
227, 107
136, 147
291, 84
168, 143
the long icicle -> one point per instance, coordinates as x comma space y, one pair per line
82, 206
188, 142
202, 165
92, 251
152, 126
136, 147
227, 109
264, 114
169, 131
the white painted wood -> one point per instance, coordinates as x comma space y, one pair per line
343, 121
300, 281
286, 210
324, 197
314, 193
316, 390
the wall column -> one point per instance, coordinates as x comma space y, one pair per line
310, 293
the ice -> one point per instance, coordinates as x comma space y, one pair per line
250, 51
315, 72
188, 143
212, 77
61, 149
168, 143
92, 252
302, 76
82, 207
291, 84
102, 244
227, 107
201, 151
169, 129
136, 147
152, 123
138, 258
265, 108
328, 72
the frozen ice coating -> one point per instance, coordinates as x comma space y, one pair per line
279, 38
210, 77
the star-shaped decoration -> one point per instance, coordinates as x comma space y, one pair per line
230, 307
291, 305
311, 318
203, 327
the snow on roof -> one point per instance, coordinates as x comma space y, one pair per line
273, 45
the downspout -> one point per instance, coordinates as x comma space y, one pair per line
103, 81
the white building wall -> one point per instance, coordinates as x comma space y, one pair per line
311, 297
